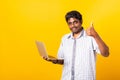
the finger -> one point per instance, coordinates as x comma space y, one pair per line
54, 61
44, 58
91, 24
49, 59
88, 29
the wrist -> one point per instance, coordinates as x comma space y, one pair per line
96, 35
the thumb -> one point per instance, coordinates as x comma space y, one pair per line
91, 24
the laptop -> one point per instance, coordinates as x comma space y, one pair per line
42, 50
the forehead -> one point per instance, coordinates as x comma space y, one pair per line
72, 20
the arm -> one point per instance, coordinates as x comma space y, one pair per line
55, 61
58, 61
101, 44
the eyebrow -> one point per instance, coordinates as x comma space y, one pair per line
74, 21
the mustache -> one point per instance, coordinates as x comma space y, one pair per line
73, 27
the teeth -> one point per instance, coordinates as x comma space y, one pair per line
74, 28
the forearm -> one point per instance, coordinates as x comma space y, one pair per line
102, 46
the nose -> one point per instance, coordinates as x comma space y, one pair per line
72, 24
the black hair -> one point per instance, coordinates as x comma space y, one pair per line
73, 14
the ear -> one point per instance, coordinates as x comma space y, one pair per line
81, 21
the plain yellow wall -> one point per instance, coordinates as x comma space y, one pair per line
24, 21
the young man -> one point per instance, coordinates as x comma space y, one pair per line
78, 50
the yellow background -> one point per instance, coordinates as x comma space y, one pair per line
24, 21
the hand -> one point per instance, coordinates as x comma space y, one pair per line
44, 58
53, 60
91, 31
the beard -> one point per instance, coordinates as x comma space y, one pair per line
76, 30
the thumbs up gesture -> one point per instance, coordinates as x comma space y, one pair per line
91, 31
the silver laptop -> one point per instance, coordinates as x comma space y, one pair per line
42, 50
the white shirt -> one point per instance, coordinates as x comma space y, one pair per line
84, 57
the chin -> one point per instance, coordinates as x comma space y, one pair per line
75, 32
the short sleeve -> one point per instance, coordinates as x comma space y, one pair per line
95, 46
60, 51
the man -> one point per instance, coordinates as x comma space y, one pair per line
78, 50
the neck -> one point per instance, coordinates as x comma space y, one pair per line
75, 35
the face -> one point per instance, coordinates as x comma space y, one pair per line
75, 25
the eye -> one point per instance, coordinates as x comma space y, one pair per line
69, 23
75, 22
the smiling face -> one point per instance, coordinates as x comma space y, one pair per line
75, 25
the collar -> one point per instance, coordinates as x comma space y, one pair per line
82, 33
